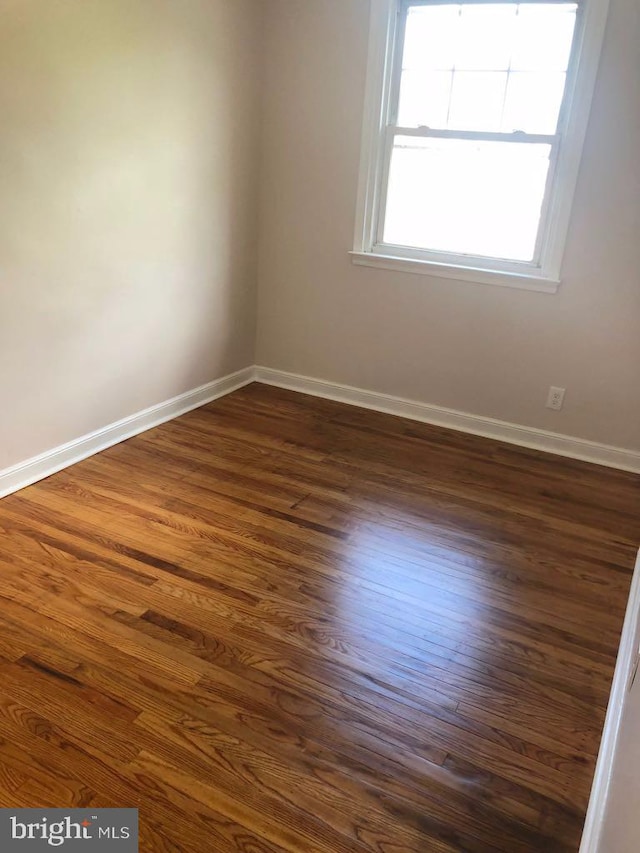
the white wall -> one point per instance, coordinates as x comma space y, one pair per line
128, 226
621, 828
613, 820
486, 350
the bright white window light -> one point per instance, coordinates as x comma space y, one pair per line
475, 118
479, 94
466, 197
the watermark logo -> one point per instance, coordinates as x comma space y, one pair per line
73, 830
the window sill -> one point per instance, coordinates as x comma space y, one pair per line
468, 274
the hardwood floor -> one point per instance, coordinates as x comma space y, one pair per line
286, 624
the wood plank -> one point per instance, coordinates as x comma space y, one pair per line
286, 625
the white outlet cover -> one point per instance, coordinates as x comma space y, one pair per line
555, 398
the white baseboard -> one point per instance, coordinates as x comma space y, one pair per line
25, 473
28, 472
617, 700
538, 439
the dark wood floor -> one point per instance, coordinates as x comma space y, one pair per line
285, 624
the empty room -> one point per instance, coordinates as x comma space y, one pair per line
320, 446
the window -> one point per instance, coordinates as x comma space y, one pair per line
476, 114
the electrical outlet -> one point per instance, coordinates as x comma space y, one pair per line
555, 398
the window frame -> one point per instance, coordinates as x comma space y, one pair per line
379, 130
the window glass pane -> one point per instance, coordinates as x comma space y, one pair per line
485, 37
533, 101
457, 58
466, 197
431, 37
424, 98
543, 36
477, 100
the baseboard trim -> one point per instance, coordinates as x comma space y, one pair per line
610, 734
537, 439
25, 473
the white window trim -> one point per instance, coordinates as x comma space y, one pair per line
579, 93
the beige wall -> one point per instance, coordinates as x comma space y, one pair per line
129, 154
487, 350
621, 825
616, 818
128, 225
